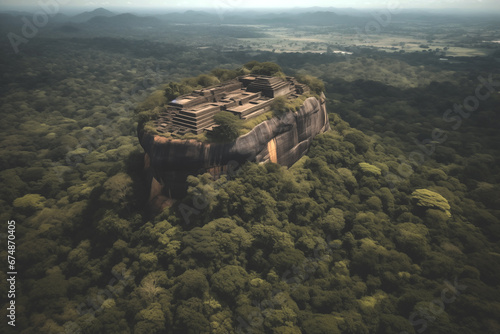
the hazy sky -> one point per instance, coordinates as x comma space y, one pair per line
236, 4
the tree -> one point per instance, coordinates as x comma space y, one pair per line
227, 129
113, 319
157, 98
192, 283
265, 68
206, 80
279, 105
251, 64
316, 85
224, 74
394, 324
118, 189
190, 319
359, 141
429, 199
220, 241
229, 281
175, 89
112, 225
412, 240
47, 290
151, 320
321, 324
333, 222
29, 203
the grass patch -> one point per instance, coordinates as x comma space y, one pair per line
199, 137
251, 123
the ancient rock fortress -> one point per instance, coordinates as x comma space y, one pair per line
282, 140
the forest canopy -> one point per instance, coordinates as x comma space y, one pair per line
361, 235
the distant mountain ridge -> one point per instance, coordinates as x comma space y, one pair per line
126, 19
86, 16
100, 18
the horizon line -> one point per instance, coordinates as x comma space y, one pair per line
131, 9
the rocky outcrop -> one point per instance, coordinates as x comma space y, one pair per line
282, 140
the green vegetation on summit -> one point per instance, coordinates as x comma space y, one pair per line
226, 128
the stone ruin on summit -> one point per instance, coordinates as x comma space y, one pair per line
247, 96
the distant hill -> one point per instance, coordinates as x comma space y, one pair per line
7, 20
86, 16
124, 20
68, 29
312, 18
191, 16
16, 12
60, 18
320, 18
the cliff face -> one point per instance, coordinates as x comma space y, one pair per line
281, 140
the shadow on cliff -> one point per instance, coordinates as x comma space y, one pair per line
134, 165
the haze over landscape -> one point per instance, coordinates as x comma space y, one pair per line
67, 5
237, 166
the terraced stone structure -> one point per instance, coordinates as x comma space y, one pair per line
282, 139
247, 96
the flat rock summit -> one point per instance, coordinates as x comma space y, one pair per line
282, 139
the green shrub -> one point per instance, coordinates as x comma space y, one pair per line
157, 98
316, 85
206, 80
265, 68
228, 127
223, 74
175, 89
279, 106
